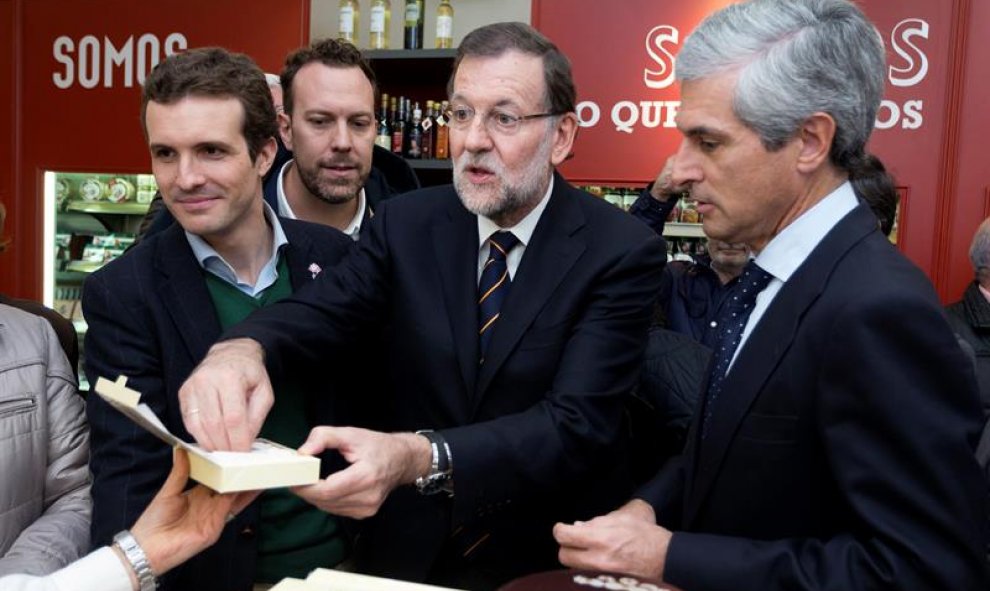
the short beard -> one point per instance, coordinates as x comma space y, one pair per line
331, 192
510, 197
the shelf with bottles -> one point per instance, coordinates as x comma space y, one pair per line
419, 133
410, 14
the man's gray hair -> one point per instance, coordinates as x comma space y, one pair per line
795, 58
979, 250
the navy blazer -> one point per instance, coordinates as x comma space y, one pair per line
151, 318
840, 455
535, 431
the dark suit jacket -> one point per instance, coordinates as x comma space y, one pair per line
151, 318
840, 454
534, 432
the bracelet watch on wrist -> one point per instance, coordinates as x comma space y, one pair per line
440, 477
137, 559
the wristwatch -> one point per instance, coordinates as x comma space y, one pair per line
440, 478
138, 560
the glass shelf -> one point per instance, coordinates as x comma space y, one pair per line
125, 208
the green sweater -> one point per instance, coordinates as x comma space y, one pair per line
294, 536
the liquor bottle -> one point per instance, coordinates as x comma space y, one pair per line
416, 133
413, 37
426, 145
398, 126
381, 22
349, 17
440, 145
407, 129
384, 136
445, 24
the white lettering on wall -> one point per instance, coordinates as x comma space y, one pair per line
655, 39
94, 62
916, 62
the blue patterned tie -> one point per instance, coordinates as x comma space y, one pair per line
731, 322
494, 286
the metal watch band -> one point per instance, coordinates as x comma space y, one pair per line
441, 467
138, 560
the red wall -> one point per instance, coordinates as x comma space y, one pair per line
72, 116
927, 129
972, 170
7, 44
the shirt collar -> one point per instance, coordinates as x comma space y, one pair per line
353, 229
790, 248
523, 230
210, 260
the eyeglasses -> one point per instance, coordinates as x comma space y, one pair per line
496, 121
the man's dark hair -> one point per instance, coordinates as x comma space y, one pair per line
216, 73
496, 39
874, 185
332, 53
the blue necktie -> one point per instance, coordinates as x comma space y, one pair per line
494, 286
731, 322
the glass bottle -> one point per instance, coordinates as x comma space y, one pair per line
413, 31
416, 133
384, 136
381, 22
398, 125
426, 144
445, 25
348, 24
440, 146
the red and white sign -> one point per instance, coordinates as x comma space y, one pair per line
624, 60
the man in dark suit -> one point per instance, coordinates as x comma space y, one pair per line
833, 447
154, 312
519, 407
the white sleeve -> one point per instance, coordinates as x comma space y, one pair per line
101, 570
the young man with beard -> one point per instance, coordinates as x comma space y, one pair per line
500, 418
329, 126
153, 313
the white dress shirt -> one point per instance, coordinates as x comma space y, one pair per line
353, 229
788, 250
523, 231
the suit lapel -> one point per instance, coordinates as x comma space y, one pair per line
184, 293
298, 256
765, 349
455, 244
555, 247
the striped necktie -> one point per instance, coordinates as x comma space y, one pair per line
731, 322
493, 286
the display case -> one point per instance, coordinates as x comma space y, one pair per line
90, 219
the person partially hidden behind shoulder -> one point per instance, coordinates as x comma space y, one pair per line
834, 443
44, 448
176, 526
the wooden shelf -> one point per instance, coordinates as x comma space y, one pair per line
409, 54
430, 164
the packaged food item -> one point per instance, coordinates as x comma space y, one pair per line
120, 190
63, 189
689, 212
146, 188
92, 189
